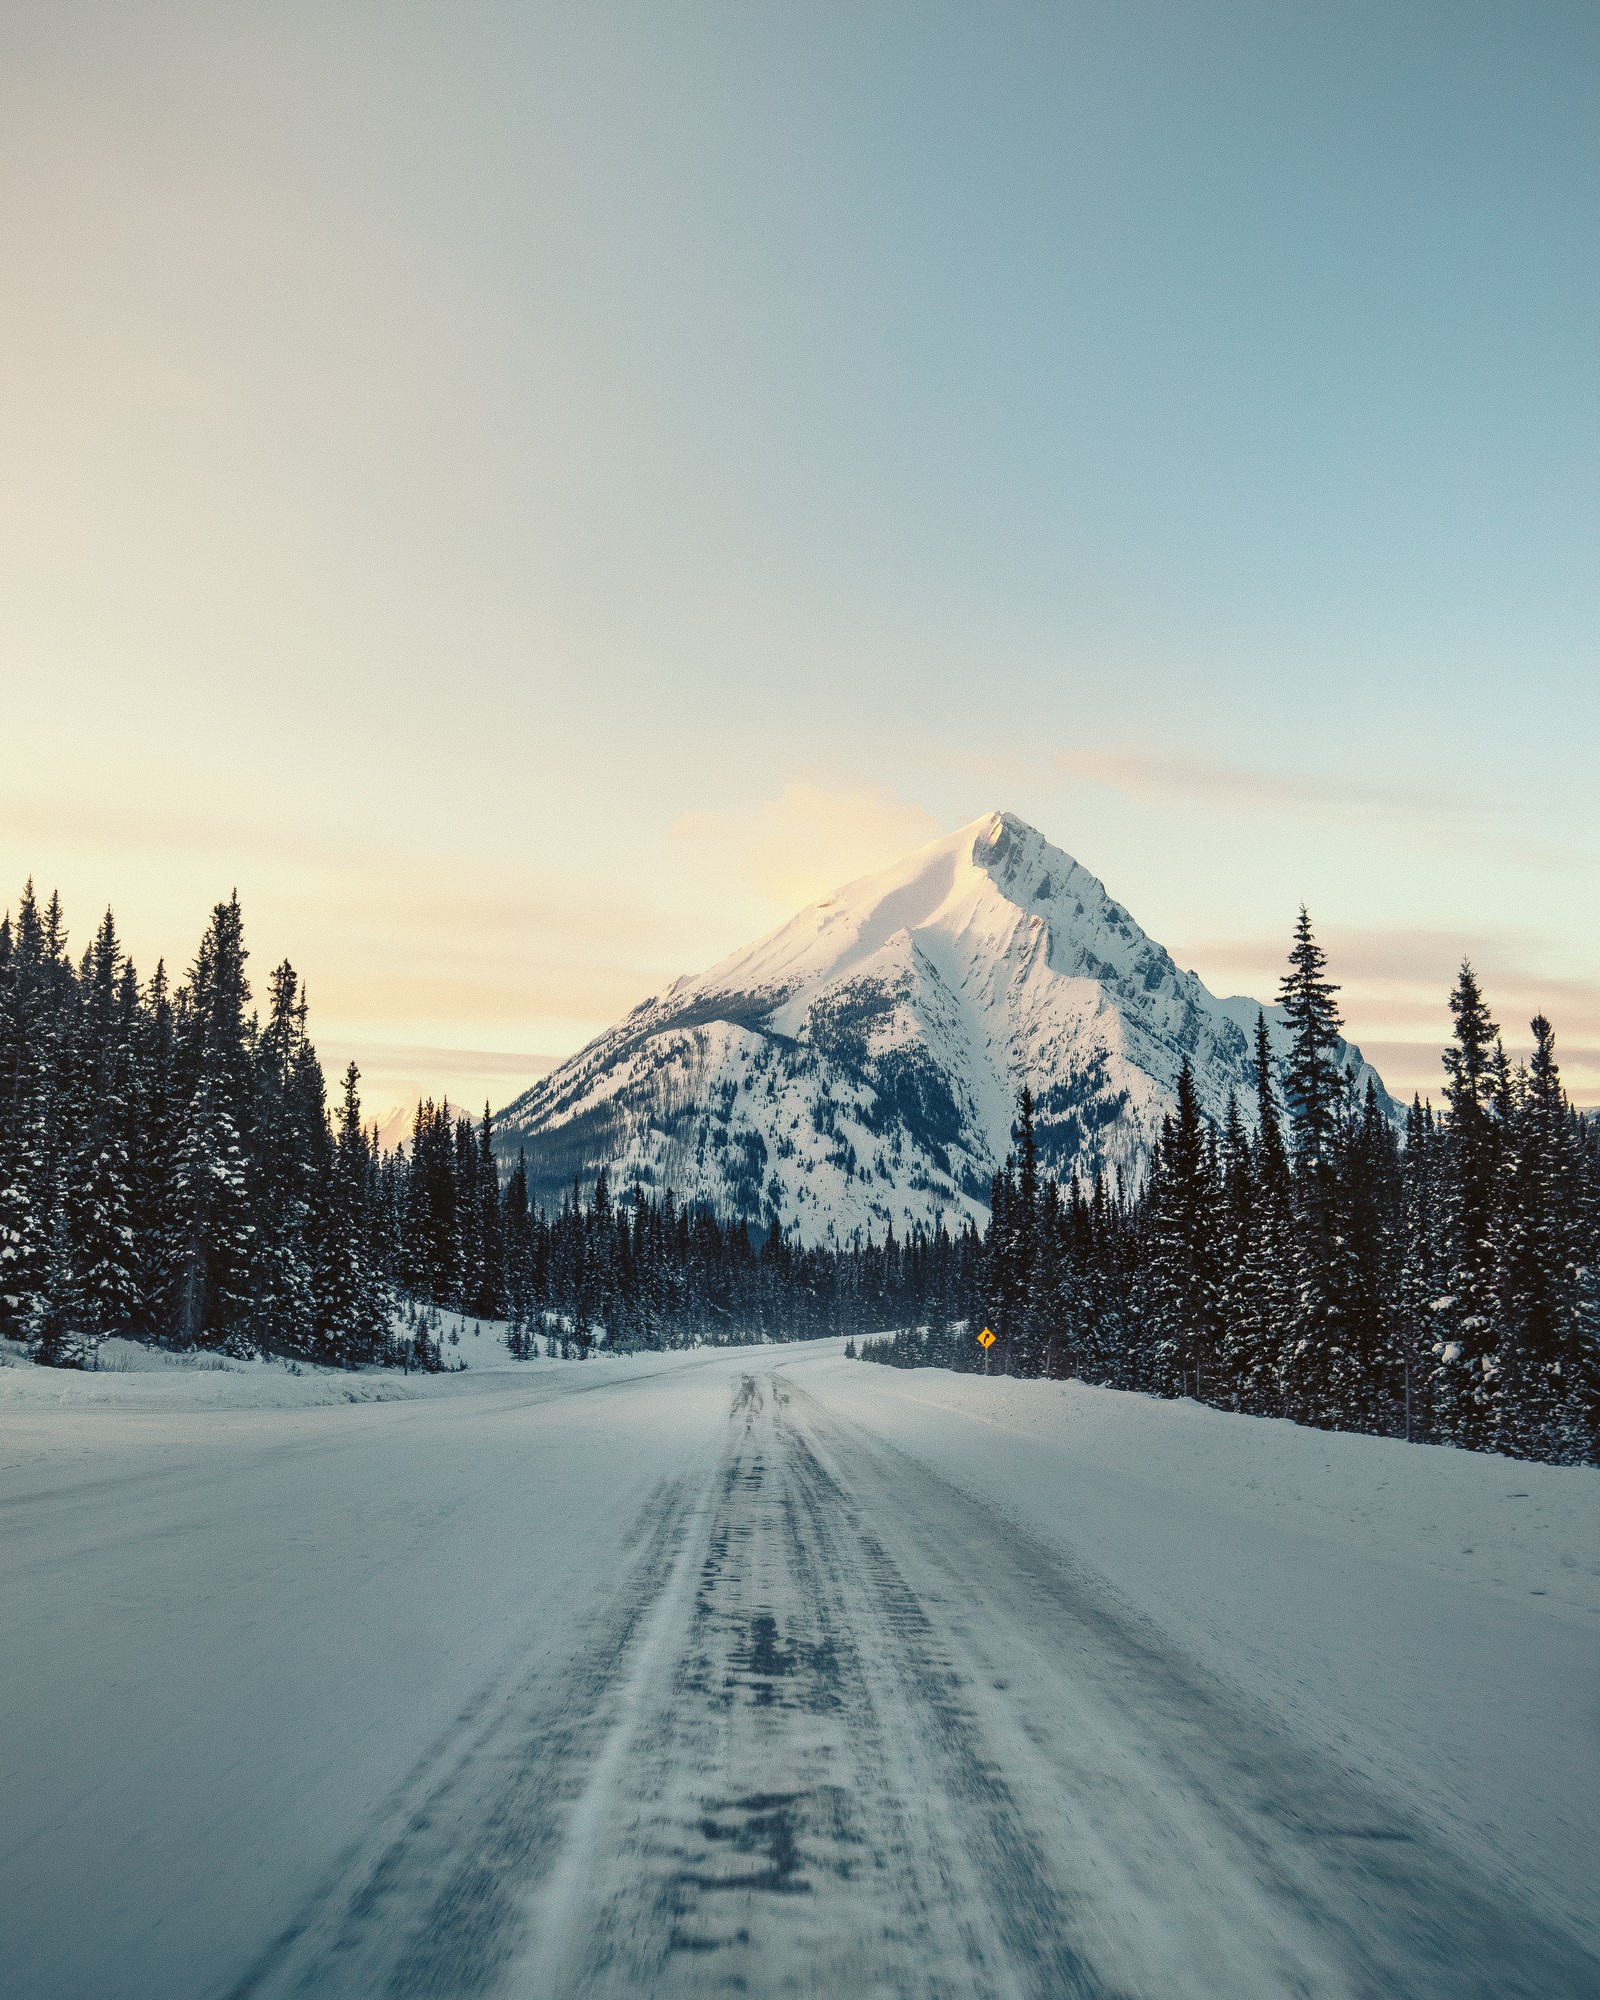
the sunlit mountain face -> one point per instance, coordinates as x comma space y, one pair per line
860, 1066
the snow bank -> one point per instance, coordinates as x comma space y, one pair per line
1516, 1528
132, 1377
1430, 1617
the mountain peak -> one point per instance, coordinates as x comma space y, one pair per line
859, 1066
994, 833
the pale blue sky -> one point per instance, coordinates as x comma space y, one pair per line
529, 493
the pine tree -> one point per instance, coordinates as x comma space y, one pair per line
1315, 1093
1542, 1365
1365, 1384
1024, 1353
432, 1260
1261, 1327
208, 1228
102, 1291
1311, 1082
489, 1300
351, 1302
1419, 1281
291, 1164
1466, 1385
152, 1146
516, 1235
1236, 1231
1182, 1250
32, 1032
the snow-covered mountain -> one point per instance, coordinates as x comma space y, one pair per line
861, 1064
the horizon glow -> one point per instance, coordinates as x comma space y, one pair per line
532, 501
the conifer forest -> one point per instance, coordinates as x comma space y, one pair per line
171, 1170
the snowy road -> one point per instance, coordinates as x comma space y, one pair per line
717, 1677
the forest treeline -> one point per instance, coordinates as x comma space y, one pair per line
171, 1169
169, 1165
1302, 1260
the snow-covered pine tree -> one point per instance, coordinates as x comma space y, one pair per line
432, 1257
208, 1232
1015, 1298
1312, 1083
351, 1297
468, 1216
1466, 1386
654, 1303
516, 1236
103, 1291
1419, 1282
1064, 1283
151, 1148
1264, 1305
1314, 1093
292, 1158
24, 1181
489, 1302
1181, 1251
1583, 1394
37, 1004
1107, 1340
1542, 1364
1366, 1384
1235, 1234
1026, 1307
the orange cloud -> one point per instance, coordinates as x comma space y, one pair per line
808, 841
582, 994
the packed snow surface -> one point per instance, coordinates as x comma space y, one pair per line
759, 1670
861, 1066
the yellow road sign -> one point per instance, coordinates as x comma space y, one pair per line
986, 1338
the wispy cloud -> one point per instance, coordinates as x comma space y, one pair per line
595, 994
1192, 777
377, 935
808, 840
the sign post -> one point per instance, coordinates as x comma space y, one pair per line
986, 1340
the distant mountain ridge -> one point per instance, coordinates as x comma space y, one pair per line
860, 1065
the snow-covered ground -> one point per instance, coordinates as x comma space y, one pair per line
761, 1670
128, 1375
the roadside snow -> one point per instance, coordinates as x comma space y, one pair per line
133, 1377
143, 1398
1431, 1617
1513, 1527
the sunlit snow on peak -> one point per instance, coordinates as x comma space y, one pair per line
859, 1066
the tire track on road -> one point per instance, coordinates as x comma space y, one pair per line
434, 1899
838, 1730
811, 1810
1223, 1857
